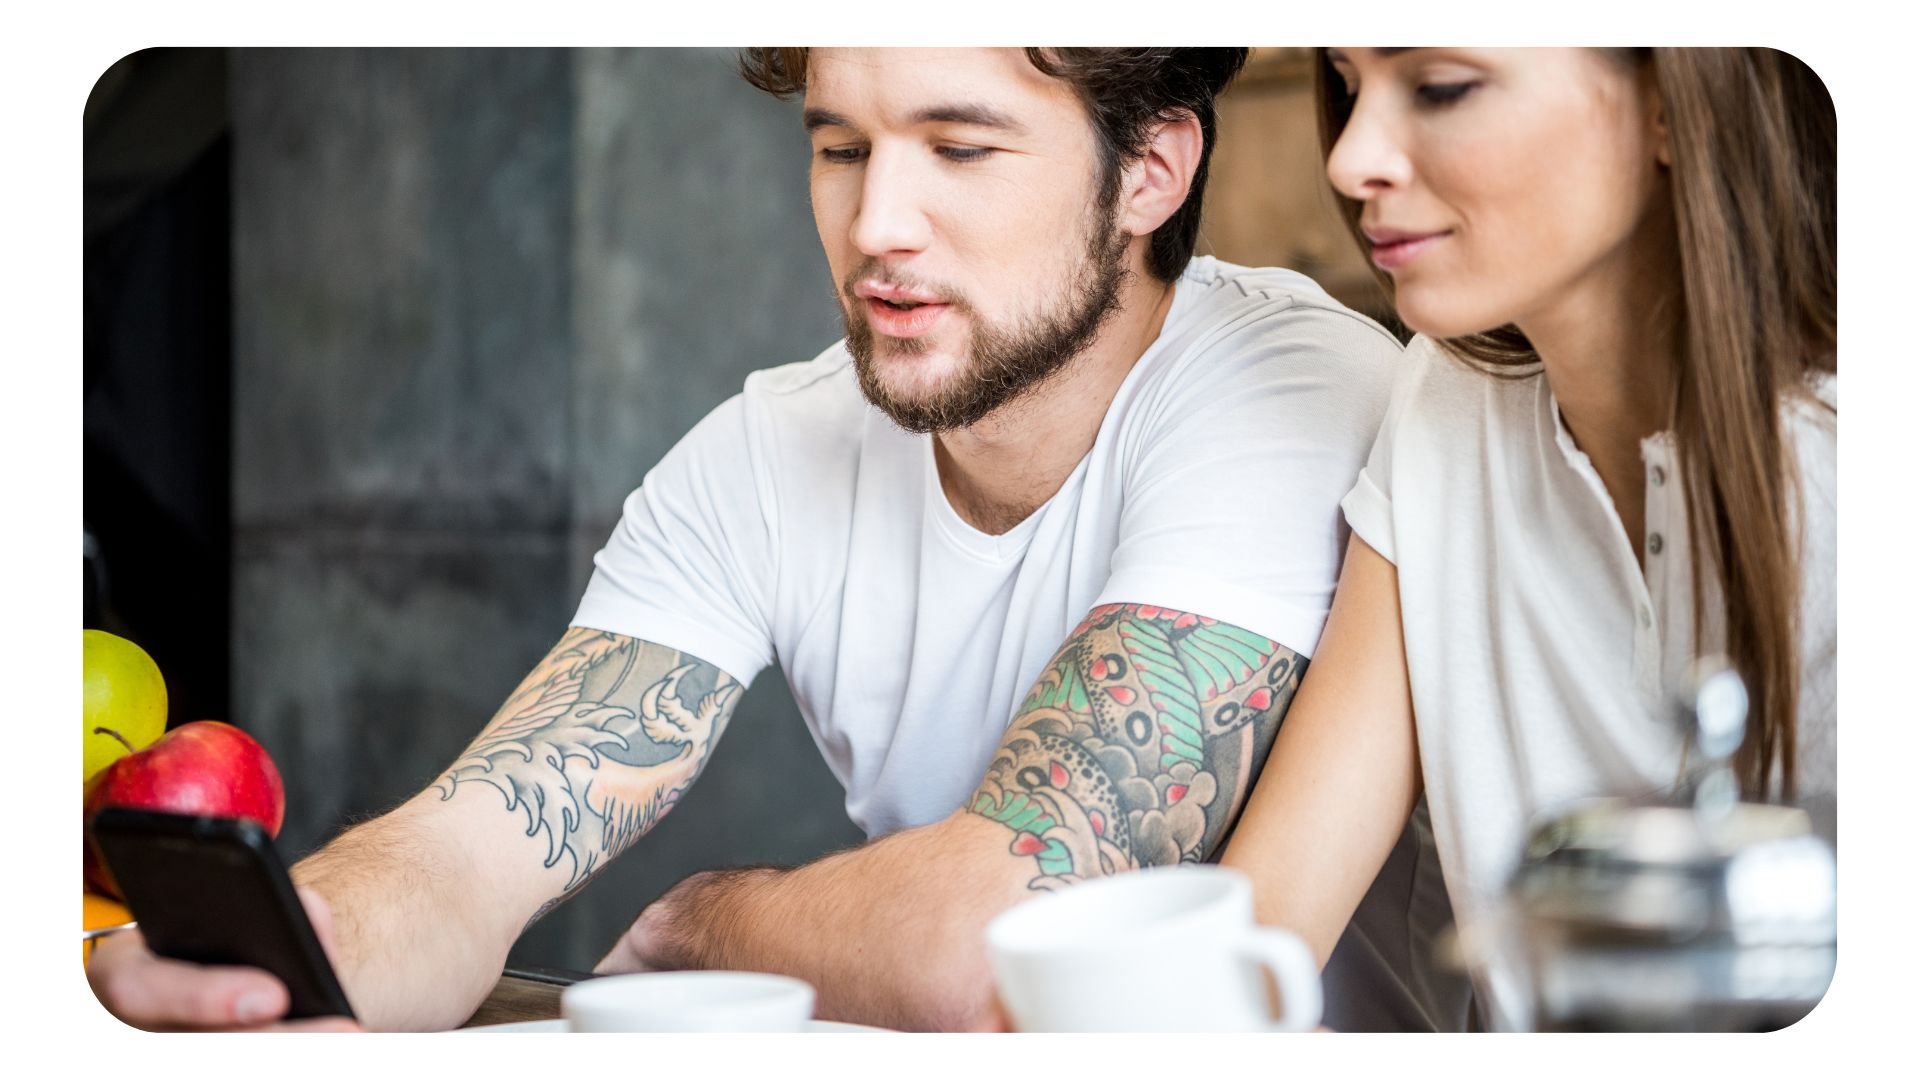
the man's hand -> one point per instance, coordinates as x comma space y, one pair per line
663, 938
1136, 747
158, 994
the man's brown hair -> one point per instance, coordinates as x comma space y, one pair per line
1127, 93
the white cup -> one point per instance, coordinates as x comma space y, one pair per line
688, 1001
1163, 949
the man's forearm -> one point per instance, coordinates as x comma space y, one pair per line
1136, 747
414, 946
889, 934
599, 742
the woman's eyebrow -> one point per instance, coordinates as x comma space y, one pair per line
1337, 56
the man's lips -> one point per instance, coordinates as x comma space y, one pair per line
875, 289
899, 311
903, 322
1395, 248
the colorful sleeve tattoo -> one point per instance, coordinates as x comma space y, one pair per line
1139, 743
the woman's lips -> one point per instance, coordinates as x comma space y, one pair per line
902, 323
1393, 251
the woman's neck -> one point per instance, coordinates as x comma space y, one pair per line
1609, 351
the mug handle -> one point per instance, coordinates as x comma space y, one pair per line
1283, 954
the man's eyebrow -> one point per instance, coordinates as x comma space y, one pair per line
813, 119
970, 114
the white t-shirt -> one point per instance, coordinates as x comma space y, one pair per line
796, 522
1543, 660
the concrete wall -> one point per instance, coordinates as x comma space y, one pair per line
477, 293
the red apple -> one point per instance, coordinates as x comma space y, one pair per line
206, 768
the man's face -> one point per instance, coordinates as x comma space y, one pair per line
957, 194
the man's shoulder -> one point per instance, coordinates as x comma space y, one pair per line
1272, 335
1275, 300
811, 411
825, 378
818, 395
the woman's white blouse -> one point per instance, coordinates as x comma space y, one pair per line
1544, 662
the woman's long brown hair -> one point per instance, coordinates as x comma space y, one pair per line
1752, 138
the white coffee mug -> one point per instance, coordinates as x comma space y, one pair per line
688, 1001
1163, 949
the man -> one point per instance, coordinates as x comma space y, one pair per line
1042, 547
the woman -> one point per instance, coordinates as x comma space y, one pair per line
1610, 453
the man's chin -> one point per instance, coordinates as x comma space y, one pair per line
916, 404
923, 384
914, 370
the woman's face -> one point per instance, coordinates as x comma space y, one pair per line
1499, 185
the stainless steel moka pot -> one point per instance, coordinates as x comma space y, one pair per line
1698, 912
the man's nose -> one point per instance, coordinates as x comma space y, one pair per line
1369, 158
892, 218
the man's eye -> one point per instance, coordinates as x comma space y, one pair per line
964, 153
1444, 93
843, 155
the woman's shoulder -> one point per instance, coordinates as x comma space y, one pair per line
1439, 391
1447, 368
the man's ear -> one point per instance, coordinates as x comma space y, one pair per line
1156, 185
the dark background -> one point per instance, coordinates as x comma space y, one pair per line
376, 343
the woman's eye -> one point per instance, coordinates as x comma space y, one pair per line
1443, 93
964, 153
842, 155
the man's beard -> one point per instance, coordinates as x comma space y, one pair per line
1003, 362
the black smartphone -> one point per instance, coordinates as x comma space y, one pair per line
213, 891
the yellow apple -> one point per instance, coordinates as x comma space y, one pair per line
123, 701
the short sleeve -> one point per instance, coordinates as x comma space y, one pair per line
1368, 506
690, 564
1233, 502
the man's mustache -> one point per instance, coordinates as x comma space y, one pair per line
874, 271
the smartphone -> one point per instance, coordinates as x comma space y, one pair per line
213, 891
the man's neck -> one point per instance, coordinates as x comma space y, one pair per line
1000, 470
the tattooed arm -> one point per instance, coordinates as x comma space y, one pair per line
1139, 743
593, 748
1136, 748
422, 903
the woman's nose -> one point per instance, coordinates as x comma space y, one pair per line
1369, 157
